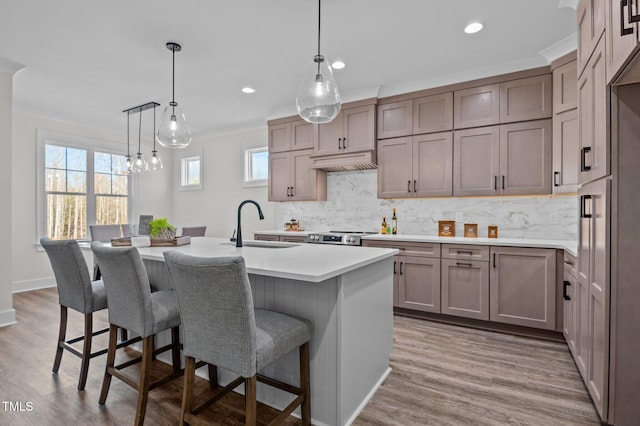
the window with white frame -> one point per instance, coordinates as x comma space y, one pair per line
191, 172
255, 166
80, 182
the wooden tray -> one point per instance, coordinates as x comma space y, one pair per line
155, 242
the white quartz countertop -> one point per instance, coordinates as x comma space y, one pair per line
305, 262
569, 246
291, 233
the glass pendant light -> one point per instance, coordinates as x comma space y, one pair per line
128, 163
318, 99
173, 131
155, 164
140, 163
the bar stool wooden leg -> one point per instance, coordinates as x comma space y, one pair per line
62, 335
213, 376
175, 351
86, 350
250, 400
187, 393
304, 384
145, 379
111, 358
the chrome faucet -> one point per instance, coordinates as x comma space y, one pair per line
239, 235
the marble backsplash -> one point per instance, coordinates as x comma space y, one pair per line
352, 205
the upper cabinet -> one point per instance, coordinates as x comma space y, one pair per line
292, 178
395, 119
565, 87
291, 134
477, 106
591, 24
526, 99
426, 114
353, 130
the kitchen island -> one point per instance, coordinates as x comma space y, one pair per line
347, 292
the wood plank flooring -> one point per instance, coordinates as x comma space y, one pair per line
442, 375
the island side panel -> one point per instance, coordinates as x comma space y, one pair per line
365, 328
317, 303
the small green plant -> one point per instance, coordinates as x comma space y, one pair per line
161, 229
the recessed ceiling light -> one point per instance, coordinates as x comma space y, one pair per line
248, 90
338, 65
473, 27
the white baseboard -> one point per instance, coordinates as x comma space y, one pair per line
8, 317
37, 284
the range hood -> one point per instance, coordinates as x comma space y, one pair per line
346, 162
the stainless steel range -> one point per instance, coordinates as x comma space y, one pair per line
348, 238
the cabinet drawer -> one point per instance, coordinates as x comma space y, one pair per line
408, 248
570, 263
464, 251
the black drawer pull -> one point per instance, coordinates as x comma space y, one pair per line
468, 265
288, 191
555, 178
583, 159
568, 262
565, 296
494, 260
394, 267
408, 186
470, 253
502, 181
495, 183
583, 206
625, 31
400, 268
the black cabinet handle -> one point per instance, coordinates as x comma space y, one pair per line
408, 186
625, 31
568, 262
339, 140
394, 267
400, 268
632, 18
288, 191
494, 260
583, 159
414, 186
555, 178
344, 143
502, 181
495, 183
583, 206
468, 265
565, 296
292, 193
470, 253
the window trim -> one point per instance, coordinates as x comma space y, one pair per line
247, 149
180, 161
91, 145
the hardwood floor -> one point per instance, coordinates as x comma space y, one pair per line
442, 375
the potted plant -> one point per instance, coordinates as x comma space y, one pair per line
161, 229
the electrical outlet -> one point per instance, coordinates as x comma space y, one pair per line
460, 217
553, 218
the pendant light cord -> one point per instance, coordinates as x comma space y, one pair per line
140, 133
173, 82
128, 155
154, 128
319, 9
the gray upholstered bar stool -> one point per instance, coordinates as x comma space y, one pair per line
105, 233
78, 292
134, 307
221, 327
194, 231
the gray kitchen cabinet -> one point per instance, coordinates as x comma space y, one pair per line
465, 281
569, 308
565, 152
525, 158
433, 113
476, 161
621, 36
565, 86
522, 287
395, 119
593, 277
592, 119
591, 25
477, 106
292, 178
283, 238
266, 237
419, 283
353, 130
289, 134
418, 166
526, 99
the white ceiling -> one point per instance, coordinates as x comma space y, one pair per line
86, 61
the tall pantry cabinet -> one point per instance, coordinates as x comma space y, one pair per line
607, 296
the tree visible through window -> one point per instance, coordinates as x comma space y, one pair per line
111, 188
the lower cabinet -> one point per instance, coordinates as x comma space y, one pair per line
419, 283
465, 288
274, 237
569, 304
522, 287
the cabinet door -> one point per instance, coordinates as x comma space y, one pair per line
476, 161
279, 176
565, 87
396, 281
280, 137
621, 37
523, 287
433, 113
359, 129
330, 137
419, 283
304, 179
292, 238
394, 168
593, 136
303, 135
432, 165
525, 158
465, 288
568, 306
478, 106
526, 99
565, 152
395, 119
266, 237
591, 23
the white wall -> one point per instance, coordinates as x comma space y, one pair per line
7, 313
352, 205
216, 205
